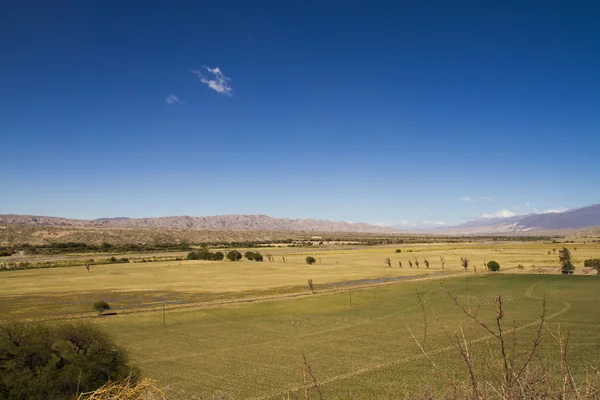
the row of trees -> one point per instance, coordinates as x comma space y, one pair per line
464, 262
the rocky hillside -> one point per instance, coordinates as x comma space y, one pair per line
219, 222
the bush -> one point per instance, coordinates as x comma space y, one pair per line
520, 267
398, 250
234, 255
249, 255
310, 260
258, 257
592, 263
204, 254
101, 306
493, 266
57, 361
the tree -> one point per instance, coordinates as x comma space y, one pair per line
388, 261
493, 266
234, 255
101, 306
443, 261
566, 262
249, 255
464, 262
258, 257
398, 250
310, 260
58, 361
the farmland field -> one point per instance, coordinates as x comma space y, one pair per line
356, 341
255, 350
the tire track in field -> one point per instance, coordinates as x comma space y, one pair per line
302, 336
375, 367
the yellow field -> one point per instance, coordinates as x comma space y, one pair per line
68, 290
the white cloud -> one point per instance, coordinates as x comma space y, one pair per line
173, 98
428, 222
469, 199
499, 214
554, 210
218, 82
390, 224
527, 203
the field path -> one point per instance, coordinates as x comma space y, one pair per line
528, 293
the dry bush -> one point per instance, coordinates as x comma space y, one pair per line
127, 389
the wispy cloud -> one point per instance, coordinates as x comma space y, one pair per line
173, 99
469, 199
554, 210
499, 214
436, 223
215, 80
392, 224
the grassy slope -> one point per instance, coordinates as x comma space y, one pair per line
255, 350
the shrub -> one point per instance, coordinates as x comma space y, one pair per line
520, 267
57, 361
101, 306
310, 260
592, 263
258, 257
234, 255
398, 250
204, 254
249, 255
493, 266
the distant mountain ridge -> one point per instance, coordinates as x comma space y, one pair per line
570, 219
218, 222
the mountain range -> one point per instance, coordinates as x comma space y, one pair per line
570, 219
218, 222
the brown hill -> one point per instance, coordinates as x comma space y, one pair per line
219, 222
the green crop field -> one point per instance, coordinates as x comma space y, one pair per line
364, 347
362, 342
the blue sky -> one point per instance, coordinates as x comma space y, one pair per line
412, 113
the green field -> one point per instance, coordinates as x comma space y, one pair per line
357, 342
255, 350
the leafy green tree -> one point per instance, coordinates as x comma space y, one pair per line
52, 361
234, 255
249, 255
218, 256
493, 266
566, 262
310, 260
101, 306
258, 257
